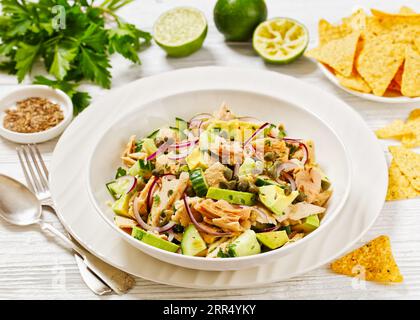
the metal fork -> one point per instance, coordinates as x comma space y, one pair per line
36, 175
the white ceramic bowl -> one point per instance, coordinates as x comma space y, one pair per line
299, 123
368, 96
54, 95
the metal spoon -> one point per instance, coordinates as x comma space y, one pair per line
19, 206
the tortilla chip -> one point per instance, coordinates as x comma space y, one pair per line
338, 54
354, 82
379, 61
395, 129
374, 261
328, 32
357, 21
410, 85
406, 11
414, 115
409, 164
399, 187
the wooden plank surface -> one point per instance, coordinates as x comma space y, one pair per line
33, 265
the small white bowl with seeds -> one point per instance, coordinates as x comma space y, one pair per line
34, 114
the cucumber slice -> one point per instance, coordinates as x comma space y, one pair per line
245, 245
232, 196
198, 182
192, 243
149, 146
141, 168
121, 186
182, 125
153, 134
153, 240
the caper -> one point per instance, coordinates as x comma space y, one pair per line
269, 156
301, 197
190, 191
243, 185
228, 174
223, 185
159, 142
232, 184
158, 172
287, 190
253, 188
224, 134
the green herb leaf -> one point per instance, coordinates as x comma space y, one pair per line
25, 58
63, 56
95, 66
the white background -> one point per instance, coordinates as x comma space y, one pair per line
33, 265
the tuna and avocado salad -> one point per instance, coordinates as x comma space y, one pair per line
219, 186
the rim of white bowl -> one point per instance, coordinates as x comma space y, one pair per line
284, 250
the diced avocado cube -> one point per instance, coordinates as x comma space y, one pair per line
273, 197
192, 243
195, 160
232, 196
149, 146
153, 240
120, 206
274, 239
310, 224
245, 245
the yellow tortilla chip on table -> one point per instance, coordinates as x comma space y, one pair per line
399, 187
373, 261
409, 164
414, 115
378, 62
338, 54
395, 129
410, 83
354, 82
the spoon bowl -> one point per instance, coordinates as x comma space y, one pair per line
18, 205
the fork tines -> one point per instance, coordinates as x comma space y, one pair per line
34, 169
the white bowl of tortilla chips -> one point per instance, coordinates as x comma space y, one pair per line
375, 57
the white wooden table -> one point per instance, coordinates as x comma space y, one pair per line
32, 265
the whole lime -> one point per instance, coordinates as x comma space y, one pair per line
237, 19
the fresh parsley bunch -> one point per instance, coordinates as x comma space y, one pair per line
73, 47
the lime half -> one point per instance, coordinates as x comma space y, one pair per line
280, 40
180, 31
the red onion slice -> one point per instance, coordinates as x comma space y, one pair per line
256, 133
291, 180
302, 145
139, 219
250, 119
130, 181
179, 156
160, 150
286, 166
144, 225
200, 226
200, 117
149, 198
183, 144
270, 229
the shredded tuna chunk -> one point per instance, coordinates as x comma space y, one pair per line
308, 181
163, 200
215, 174
224, 215
302, 210
224, 113
142, 197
